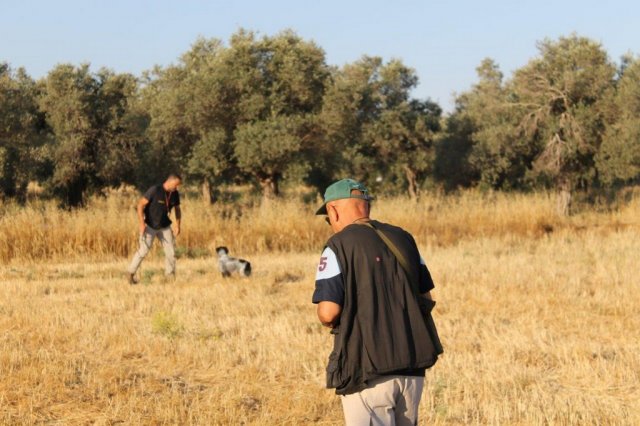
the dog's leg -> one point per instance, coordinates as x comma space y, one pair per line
247, 269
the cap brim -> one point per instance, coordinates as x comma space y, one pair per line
322, 210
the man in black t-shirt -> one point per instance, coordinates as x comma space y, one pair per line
153, 220
373, 290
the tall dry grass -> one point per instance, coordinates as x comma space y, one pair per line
539, 316
108, 227
536, 331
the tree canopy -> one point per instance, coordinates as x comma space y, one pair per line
554, 123
265, 110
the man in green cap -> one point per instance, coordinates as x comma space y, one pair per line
372, 289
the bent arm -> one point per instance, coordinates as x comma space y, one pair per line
141, 205
178, 220
178, 216
329, 313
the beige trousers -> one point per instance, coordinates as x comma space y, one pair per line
388, 401
165, 235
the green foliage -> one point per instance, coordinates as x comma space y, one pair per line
166, 324
451, 166
122, 125
483, 129
210, 159
266, 148
560, 98
619, 155
351, 104
281, 84
405, 137
147, 276
544, 125
269, 110
21, 133
370, 119
218, 94
165, 102
96, 136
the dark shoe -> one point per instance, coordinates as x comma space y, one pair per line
132, 279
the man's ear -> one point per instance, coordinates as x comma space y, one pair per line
336, 216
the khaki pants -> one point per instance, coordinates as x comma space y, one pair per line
165, 235
388, 401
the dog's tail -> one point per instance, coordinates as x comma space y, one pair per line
247, 268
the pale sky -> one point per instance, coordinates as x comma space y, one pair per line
442, 40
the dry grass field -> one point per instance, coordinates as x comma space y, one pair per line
539, 316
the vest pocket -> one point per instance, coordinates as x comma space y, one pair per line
335, 376
426, 306
334, 370
435, 338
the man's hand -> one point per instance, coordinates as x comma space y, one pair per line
176, 231
142, 227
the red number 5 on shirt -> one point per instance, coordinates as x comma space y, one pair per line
323, 264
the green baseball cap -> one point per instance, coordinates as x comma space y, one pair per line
342, 189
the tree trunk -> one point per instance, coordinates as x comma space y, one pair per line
206, 192
75, 193
269, 187
412, 182
564, 197
21, 192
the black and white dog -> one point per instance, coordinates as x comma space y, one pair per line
228, 264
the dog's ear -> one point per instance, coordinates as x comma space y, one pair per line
222, 250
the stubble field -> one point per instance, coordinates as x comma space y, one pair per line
539, 317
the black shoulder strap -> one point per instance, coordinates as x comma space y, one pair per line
396, 252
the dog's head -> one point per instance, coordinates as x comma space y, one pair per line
222, 251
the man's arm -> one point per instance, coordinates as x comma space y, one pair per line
329, 292
178, 220
329, 313
141, 205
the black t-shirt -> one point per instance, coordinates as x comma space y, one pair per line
156, 212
